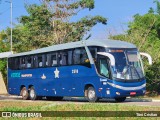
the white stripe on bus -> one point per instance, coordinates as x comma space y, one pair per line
126, 88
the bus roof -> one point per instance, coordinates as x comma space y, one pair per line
103, 43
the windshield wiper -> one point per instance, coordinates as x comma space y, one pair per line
135, 70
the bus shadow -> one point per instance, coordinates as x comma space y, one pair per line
10, 97
77, 99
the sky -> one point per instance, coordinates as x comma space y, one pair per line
117, 12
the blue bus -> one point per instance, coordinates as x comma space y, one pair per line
93, 69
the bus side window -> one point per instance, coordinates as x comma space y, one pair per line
35, 62
40, 63
28, 61
22, 63
10, 63
103, 66
13, 63
70, 56
16, 63
83, 56
63, 57
54, 59
93, 51
76, 56
47, 60
43, 60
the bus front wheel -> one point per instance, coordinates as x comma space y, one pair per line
24, 93
91, 94
121, 99
32, 94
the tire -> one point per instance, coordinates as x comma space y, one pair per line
121, 99
91, 94
54, 98
24, 93
32, 94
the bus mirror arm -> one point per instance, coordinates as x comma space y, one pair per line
148, 56
110, 56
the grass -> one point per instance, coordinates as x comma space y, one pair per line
155, 97
66, 106
70, 106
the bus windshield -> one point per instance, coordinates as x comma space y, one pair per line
128, 65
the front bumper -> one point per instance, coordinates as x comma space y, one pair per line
114, 90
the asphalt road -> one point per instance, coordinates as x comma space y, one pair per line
129, 101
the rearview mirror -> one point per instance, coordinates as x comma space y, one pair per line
110, 56
148, 56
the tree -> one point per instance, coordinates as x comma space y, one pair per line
50, 24
62, 11
4, 46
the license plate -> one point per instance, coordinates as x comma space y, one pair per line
132, 93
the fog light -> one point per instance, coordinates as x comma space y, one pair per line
108, 92
118, 93
100, 89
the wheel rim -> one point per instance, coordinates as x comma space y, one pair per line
24, 93
91, 94
32, 94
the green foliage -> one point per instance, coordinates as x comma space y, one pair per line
36, 28
4, 46
158, 6
62, 11
144, 31
54, 106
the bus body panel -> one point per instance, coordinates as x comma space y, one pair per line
71, 81
68, 83
126, 88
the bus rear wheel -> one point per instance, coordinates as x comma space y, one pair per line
32, 94
91, 94
24, 93
121, 99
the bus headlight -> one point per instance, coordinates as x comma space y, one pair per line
107, 92
117, 93
104, 83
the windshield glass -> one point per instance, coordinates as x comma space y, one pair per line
127, 64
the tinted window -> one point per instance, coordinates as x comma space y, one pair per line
104, 70
35, 61
80, 56
47, 60
40, 63
22, 62
13, 63
54, 61
70, 57
76, 56
94, 50
29, 62
63, 58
